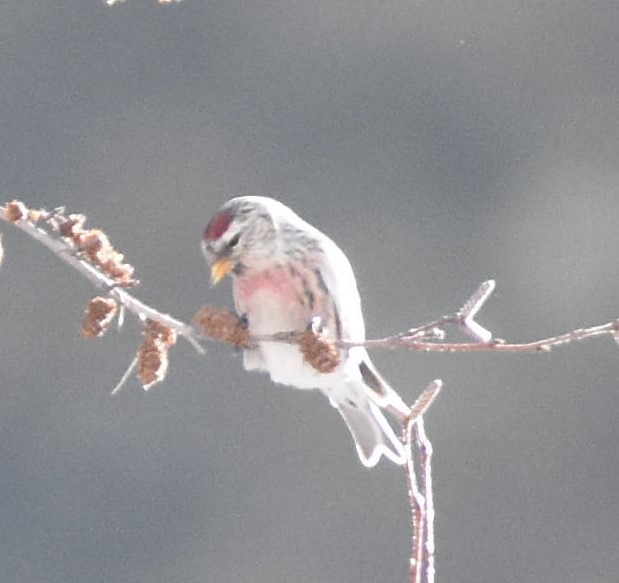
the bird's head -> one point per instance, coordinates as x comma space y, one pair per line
243, 232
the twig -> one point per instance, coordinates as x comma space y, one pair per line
121, 383
404, 340
544, 345
424, 445
420, 497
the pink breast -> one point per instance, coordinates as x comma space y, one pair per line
275, 282
294, 295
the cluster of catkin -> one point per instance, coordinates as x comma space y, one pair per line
93, 246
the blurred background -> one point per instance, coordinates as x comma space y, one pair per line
440, 144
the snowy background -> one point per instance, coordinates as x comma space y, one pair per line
441, 144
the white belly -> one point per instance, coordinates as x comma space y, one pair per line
276, 301
284, 362
269, 313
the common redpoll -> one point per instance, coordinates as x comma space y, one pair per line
285, 275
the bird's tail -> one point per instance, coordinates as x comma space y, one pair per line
379, 390
371, 432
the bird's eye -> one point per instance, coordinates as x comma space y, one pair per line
234, 241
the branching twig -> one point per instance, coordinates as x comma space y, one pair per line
426, 338
71, 256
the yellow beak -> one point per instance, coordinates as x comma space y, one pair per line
220, 269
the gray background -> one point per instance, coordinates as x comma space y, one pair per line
440, 143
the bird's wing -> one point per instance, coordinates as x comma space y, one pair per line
339, 279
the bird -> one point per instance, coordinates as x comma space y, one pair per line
287, 276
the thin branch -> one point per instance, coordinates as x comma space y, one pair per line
412, 343
420, 496
544, 345
417, 504
123, 380
424, 446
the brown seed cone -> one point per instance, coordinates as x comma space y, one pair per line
15, 211
73, 228
98, 316
156, 330
153, 359
113, 266
153, 362
95, 245
223, 325
321, 353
